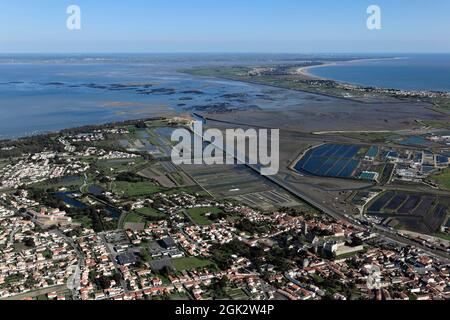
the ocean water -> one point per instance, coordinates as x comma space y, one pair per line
48, 93
42, 93
429, 72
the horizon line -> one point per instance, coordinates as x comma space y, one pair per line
221, 52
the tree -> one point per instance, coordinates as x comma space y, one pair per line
117, 277
29, 242
356, 241
144, 255
166, 271
141, 125
224, 282
104, 282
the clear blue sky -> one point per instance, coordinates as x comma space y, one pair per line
225, 26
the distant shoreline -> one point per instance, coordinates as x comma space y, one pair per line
87, 127
305, 71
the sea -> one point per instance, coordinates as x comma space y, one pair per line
45, 93
430, 72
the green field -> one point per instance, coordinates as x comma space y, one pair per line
191, 263
231, 72
198, 215
442, 235
120, 164
134, 217
371, 136
443, 179
3, 164
59, 183
136, 189
237, 294
150, 212
84, 220
287, 81
443, 105
437, 124
142, 215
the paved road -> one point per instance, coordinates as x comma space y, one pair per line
11, 236
74, 283
85, 178
388, 234
112, 257
392, 235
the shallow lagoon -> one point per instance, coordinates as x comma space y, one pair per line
42, 95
